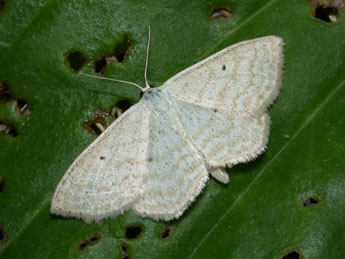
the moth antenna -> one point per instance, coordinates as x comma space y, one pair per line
143, 89
147, 59
115, 80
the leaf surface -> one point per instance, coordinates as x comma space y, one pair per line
260, 213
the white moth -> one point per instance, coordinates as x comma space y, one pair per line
156, 158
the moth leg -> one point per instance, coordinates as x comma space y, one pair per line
220, 174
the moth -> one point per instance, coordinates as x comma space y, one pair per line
157, 156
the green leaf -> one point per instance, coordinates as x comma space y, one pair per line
265, 211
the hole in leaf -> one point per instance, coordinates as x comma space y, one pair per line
94, 239
120, 107
167, 233
223, 67
292, 255
124, 105
76, 60
3, 236
8, 129
2, 5
5, 93
121, 48
101, 64
125, 253
133, 232
6, 96
24, 107
98, 124
310, 202
2, 185
222, 13
328, 12
119, 53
